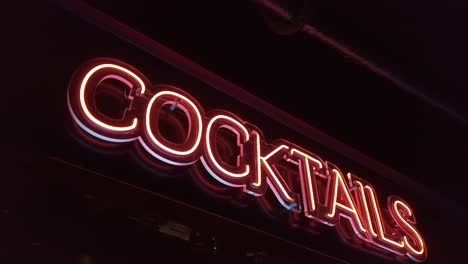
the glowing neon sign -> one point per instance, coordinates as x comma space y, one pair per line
326, 195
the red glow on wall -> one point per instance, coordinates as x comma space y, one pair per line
325, 195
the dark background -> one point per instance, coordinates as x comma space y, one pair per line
422, 44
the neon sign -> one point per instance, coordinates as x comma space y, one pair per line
326, 194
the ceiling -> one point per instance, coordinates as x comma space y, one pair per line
422, 42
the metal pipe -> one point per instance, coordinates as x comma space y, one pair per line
346, 52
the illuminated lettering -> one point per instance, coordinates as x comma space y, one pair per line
404, 217
309, 167
173, 128
266, 172
374, 220
82, 106
174, 153
341, 202
237, 175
